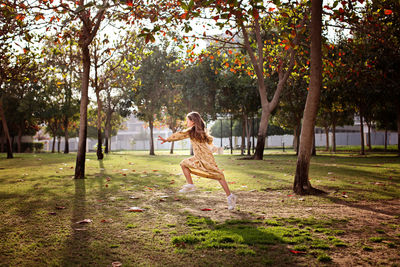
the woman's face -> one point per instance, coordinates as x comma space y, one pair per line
189, 123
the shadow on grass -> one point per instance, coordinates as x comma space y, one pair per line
373, 207
78, 247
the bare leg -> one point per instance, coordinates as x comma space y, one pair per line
186, 172
225, 186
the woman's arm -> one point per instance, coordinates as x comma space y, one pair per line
175, 137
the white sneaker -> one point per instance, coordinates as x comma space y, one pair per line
187, 188
231, 201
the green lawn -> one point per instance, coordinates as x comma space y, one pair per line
41, 204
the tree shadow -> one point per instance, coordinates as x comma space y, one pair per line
77, 245
373, 207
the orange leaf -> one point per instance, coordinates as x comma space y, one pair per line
129, 3
230, 52
211, 57
227, 64
271, 9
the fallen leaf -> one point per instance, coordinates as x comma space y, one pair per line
116, 264
155, 170
231, 182
177, 199
52, 213
260, 218
60, 207
80, 229
135, 209
133, 197
206, 209
85, 221
106, 221
106, 185
297, 252
108, 179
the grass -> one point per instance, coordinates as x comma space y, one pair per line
41, 204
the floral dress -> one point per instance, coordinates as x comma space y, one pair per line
203, 162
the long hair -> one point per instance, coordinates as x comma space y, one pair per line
198, 130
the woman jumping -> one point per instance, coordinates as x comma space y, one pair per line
203, 162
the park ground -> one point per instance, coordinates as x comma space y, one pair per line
356, 223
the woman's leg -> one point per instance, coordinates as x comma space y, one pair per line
186, 172
225, 186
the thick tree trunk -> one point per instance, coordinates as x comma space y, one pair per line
66, 137
327, 138
81, 155
362, 135
242, 146
151, 138
99, 153
262, 132
5, 129
301, 181
19, 139
334, 138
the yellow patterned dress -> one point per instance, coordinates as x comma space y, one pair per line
203, 162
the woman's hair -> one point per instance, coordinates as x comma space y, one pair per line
198, 130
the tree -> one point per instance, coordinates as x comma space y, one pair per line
154, 84
249, 27
302, 183
13, 28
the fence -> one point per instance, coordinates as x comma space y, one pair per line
125, 142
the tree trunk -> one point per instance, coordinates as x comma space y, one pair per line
108, 130
151, 138
262, 132
386, 135
19, 139
327, 138
66, 137
334, 138
242, 146
249, 133
53, 147
398, 129
100, 155
362, 134
221, 133
59, 144
171, 151
369, 137
301, 181
2, 143
231, 139
5, 129
81, 155
314, 149
253, 132
296, 139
